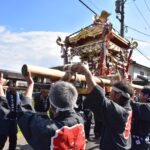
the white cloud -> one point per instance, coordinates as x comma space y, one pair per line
2, 29
34, 48
39, 48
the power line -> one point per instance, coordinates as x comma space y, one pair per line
128, 37
140, 51
88, 7
147, 5
129, 2
142, 54
138, 31
141, 14
116, 29
139, 40
94, 5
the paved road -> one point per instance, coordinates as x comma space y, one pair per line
22, 145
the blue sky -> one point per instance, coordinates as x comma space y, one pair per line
29, 28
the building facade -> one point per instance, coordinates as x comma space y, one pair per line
139, 72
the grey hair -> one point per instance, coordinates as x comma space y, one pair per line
63, 95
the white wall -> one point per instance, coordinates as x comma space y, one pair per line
134, 70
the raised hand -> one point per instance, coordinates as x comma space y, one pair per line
79, 68
83, 69
29, 90
28, 78
2, 80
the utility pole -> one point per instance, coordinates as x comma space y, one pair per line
120, 14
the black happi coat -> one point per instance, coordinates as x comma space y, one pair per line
8, 123
41, 105
116, 120
64, 132
141, 126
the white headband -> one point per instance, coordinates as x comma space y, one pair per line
127, 95
61, 109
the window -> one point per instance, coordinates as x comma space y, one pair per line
142, 73
148, 74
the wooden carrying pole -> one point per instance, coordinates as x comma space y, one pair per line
54, 74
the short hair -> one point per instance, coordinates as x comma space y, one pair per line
146, 91
125, 87
63, 95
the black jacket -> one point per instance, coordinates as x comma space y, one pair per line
140, 126
41, 105
141, 118
8, 112
115, 118
66, 131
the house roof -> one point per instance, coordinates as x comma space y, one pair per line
139, 65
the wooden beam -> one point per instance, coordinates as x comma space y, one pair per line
54, 74
10, 75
